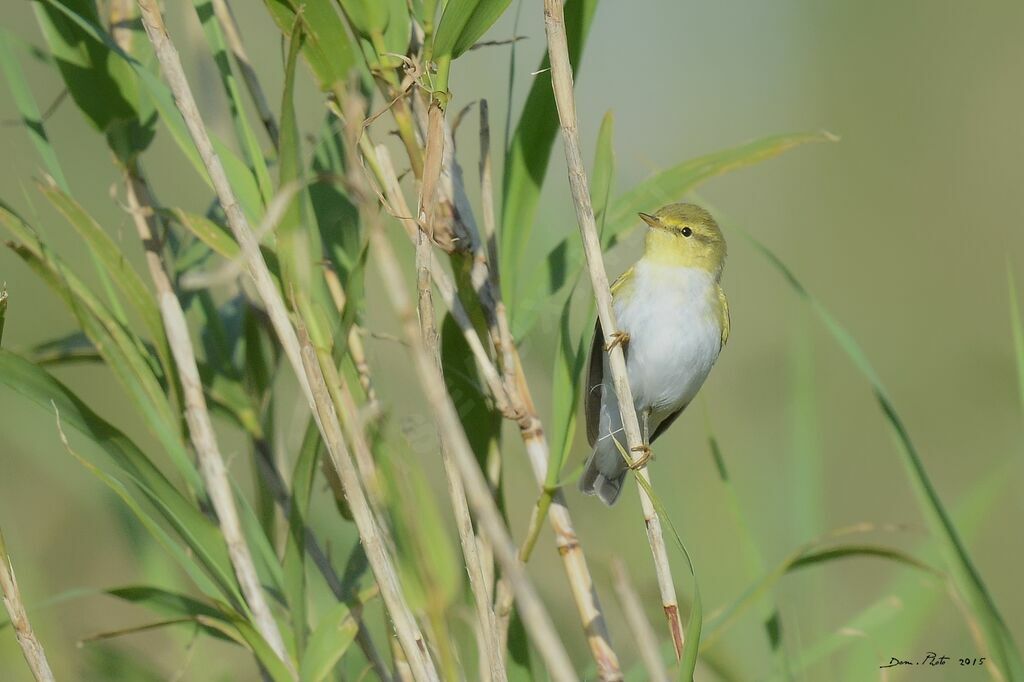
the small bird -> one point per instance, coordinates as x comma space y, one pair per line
673, 322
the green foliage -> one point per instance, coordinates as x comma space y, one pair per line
26, 104
131, 464
463, 23
244, 132
1017, 329
223, 622
526, 160
101, 85
564, 261
327, 48
121, 94
961, 568
330, 640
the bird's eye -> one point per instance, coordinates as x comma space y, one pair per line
687, 232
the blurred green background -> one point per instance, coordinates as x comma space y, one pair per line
905, 229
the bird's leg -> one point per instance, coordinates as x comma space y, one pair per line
644, 457
619, 338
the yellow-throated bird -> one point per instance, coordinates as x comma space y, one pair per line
673, 322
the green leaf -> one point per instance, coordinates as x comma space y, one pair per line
73, 347
565, 260
294, 563
747, 546
570, 358
526, 160
670, 185
299, 239
187, 560
102, 86
327, 49
124, 277
1017, 329
328, 644
463, 22
202, 536
963, 573
244, 132
120, 348
603, 175
820, 551
241, 179
217, 620
211, 233
26, 104
3, 311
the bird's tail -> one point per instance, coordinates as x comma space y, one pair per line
595, 482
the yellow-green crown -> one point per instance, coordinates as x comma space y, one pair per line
686, 234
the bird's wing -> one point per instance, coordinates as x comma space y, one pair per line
723, 316
667, 422
595, 369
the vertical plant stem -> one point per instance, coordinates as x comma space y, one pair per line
562, 84
643, 633
531, 429
200, 427
492, 648
26, 636
489, 246
535, 617
302, 358
490, 643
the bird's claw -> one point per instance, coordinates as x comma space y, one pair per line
618, 339
641, 460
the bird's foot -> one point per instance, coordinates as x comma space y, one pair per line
618, 339
641, 460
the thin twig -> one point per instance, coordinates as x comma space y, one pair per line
639, 626
302, 357
26, 636
562, 84
200, 426
531, 608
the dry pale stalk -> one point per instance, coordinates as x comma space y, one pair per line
26, 636
490, 643
639, 626
516, 396
197, 416
396, 201
562, 84
531, 608
302, 358
491, 648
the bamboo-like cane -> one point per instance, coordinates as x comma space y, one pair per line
639, 626
302, 357
197, 416
562, 84
26, 636
492, 647
520, 407
535, 617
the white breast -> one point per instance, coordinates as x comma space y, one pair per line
675, 336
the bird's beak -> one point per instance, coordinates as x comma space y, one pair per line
650, 220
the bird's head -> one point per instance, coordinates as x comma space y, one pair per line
685, 235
